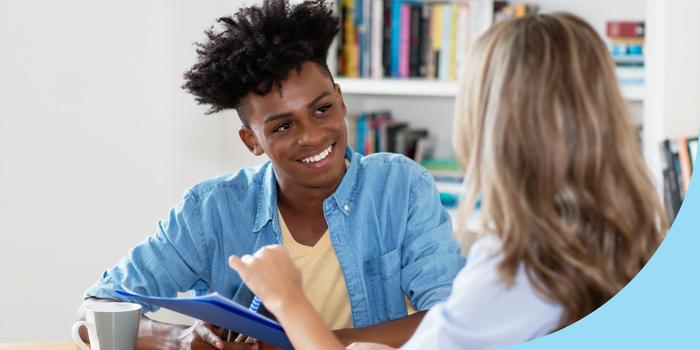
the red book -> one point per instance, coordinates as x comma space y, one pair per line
404, 40
625, 29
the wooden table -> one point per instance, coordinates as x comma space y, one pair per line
39, 346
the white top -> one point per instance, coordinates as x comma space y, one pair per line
483, 312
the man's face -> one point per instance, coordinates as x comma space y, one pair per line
301, 128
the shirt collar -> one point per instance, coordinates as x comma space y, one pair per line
267, 200
343, 195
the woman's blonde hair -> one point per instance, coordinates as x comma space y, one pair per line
545, 139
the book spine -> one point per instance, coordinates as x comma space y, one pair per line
377, 67
435, 34
684, 158
452, 71
395, 27
361, 134
405, 39
360, 36
386, 43
340, 69
414, 46
366, 36
350, 40
424, 41
671, 156
624, 29
444, 65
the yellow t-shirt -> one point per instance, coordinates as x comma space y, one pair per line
322, 277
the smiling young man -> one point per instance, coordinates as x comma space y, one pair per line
368, 233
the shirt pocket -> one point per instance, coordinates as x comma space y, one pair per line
384, 285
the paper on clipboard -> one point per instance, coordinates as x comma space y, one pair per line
215, 309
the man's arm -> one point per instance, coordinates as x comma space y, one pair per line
155, 335
393, 333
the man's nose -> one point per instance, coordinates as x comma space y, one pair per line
310, 135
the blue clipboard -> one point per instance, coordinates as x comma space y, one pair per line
223, 312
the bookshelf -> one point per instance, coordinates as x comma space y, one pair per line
667, 106
429, 103
433, 88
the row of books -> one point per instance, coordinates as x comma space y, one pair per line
626, 44
403, 38
504, 10
680, 155
371, 132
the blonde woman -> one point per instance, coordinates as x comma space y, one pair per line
570, 214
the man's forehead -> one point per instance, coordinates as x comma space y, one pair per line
300, 89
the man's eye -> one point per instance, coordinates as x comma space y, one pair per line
323, 109
283, 127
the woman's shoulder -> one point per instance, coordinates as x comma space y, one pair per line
517, 309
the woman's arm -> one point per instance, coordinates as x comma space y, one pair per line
272, 276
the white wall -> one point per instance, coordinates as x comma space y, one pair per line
672, 107
97, 141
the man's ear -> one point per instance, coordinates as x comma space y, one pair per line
339, 93
250, 141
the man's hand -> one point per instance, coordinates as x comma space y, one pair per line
369, 346
158, 335
201, 335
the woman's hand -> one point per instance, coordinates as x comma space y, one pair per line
271, 275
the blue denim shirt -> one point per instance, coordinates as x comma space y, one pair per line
389, 230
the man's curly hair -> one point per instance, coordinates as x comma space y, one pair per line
256, 48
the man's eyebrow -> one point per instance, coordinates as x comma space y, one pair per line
272, 118
322, 95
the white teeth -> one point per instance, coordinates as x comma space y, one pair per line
319, 156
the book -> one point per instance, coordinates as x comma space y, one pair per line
366, 41
684, 158
376, 51
671, 194
415, 46
350, 50
386, 42
223, 312
672, 182
392, 130
445, 43
452, 52
424, 41
693, 150
433, 59
624, 29
462, 32
395, 35
404, 39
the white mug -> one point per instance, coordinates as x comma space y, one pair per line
111, 326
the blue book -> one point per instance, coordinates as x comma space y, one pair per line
361, 133
223, 312
395, 34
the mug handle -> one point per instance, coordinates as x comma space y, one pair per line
76, 335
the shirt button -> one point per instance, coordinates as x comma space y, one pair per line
346, 207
